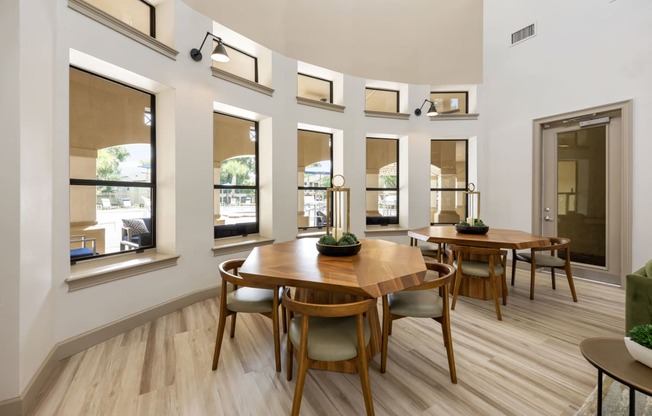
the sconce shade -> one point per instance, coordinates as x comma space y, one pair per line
219, 53
432, 111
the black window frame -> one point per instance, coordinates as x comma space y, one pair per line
241, 229
392, 219
330, 84
152, 18
466, 98
398, 97
319, 188
127, 184
255, 59
466, 176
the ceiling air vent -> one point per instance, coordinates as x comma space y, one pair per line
523, 34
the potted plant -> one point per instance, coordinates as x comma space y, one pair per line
639, 343
347, 245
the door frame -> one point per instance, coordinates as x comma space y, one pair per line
625, 108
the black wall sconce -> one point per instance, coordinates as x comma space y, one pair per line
219, 53
432, 111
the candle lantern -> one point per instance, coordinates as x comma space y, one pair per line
338, 208
473, 198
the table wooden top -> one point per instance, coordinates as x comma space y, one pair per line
495, 238
611, 356
381, 267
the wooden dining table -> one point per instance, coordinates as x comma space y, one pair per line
494, 238
381, 267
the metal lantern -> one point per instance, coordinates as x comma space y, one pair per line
473, 198
338, 209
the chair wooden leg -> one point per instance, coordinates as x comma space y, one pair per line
232, 334
301, 372
492, 278
513, 266
363, 369
387, 318
277, 340
533, 270
289, 358
552, 276
218, 339
284, 315
503, 281
448, 343
569, 276
458, 279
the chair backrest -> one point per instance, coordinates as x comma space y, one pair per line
446, 275
327, 310
229, 273
485, 251
556, 243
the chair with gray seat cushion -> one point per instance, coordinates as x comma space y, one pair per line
486, 263
426, 300
334, 332
557, 258
246, 297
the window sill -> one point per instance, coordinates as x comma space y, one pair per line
311, 234
230, 245
96, 272
444, 117
380, 230
243, 82
119, 26
320, 104
383, 114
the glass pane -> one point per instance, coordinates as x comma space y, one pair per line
450, 102
382, 157
110, 130
135, 13
581, 193
447, 207
314, 159
234, 206
240, 64
116, 218
314, 88
448, 164
312, 208
381, 203
381, 100
234, 151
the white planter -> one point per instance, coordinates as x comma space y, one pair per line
640, 353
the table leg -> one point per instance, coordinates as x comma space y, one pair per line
599, 392
632, 401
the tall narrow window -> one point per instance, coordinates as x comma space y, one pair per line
241, 63
448, 181
314, 174
136, 13
112, 167
235, 176
382, 181
315, 88
382, 100
450, 102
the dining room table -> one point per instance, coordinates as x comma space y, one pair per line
379, 268
493, 238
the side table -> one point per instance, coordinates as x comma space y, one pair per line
610, 356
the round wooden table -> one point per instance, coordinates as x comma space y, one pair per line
610, 356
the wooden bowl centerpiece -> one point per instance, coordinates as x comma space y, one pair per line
478, 227
348, 245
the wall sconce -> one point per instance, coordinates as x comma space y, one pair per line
219, 53
432, 111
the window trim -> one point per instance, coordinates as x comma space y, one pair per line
255, 58
256, 227
398, 97
393, 219
466, 98
318, 188
330, 85
466, 167
152, 182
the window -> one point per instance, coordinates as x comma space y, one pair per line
315, 88
241, 63
448, 181
382, 181
314, 173
235, 176
381, 100
450, 102
112, 167
136, 13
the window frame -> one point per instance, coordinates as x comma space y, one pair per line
249, 228
466, 167
319, 188
393, 219
152, 185
466, 98
398, 97
152, 18
255, 59
330, 84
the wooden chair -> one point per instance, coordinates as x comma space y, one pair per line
494, 265
427, 300
246, 297
334, 332
551, 260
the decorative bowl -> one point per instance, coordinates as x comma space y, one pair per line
640, 353
338, 251
468, 229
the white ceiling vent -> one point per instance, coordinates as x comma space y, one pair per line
524, 34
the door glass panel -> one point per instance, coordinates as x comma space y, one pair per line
581, 193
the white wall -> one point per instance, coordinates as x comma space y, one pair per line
586, 53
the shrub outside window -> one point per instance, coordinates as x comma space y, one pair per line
314, 175
136, 13
383, 100
112, 167
382, 181
314, 88
235, 176
448, 181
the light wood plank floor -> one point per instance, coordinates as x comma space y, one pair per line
528, 364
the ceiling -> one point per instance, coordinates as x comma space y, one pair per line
430, 42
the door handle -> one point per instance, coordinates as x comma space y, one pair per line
548, 218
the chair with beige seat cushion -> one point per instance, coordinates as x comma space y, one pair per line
537, 258
335, 332
246, 297
427, 300
486, 263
